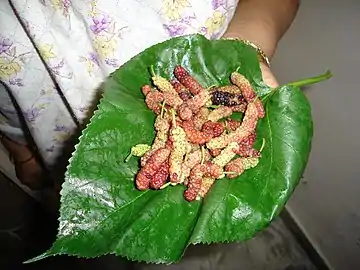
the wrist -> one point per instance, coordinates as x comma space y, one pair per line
262, 22
258, 32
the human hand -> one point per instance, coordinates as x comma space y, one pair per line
268, 76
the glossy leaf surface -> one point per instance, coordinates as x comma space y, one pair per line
102, 212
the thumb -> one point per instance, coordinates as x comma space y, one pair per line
268, 76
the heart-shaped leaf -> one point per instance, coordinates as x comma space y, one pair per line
103, 213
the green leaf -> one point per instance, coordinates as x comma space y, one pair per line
102, 212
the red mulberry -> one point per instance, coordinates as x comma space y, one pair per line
154, 163
215, 152
245, 148
160, 178
232, 124
239, 165
153, 99
185, 113
194, 182
226, 155
184, 94
213, 170
198, 101
187, 80
191, 160
162, 127
201, 117
195, 136
250, 118
239, 108
247, 91
219, 113
206, 184
146, 89
214, 129
172, 99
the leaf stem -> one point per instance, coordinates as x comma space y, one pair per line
202, 154
162, 109
214, 106
312, 80
165, 185
211, 86
230, 173
301, 83
263, 145
173, 117
152, 71
227, 128
128, 157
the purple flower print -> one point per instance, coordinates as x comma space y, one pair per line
174, 30
16, 81
50, 149
100, 24
111, 62
59, 128
5, 45
215, 36
93, 57
57, 68
203, 30
187, 20
218, 3
82, 109
32, 113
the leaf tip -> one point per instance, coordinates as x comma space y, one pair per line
38, 258
328, 74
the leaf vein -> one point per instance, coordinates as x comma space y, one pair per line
291, 147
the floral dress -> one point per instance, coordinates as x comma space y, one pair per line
54, 54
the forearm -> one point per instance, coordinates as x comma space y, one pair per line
263, 22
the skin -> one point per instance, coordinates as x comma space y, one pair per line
263, 22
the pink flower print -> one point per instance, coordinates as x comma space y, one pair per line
100, 24
66, 4
5, 45
174, 30
218, 3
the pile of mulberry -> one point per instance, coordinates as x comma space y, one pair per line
195, 143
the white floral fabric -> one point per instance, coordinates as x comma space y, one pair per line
54, 54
